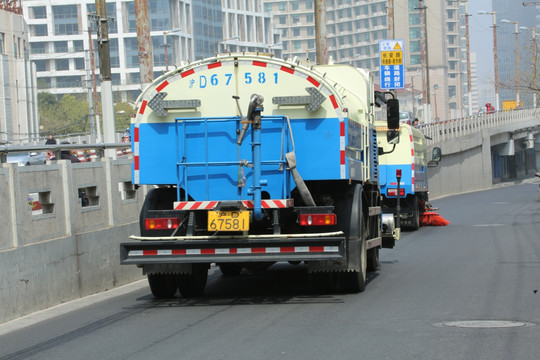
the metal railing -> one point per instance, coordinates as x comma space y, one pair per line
56, 149
452, 129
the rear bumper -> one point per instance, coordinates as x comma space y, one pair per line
306, 247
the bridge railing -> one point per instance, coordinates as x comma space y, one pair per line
451, 129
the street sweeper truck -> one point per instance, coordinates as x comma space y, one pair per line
407, 156
254, 160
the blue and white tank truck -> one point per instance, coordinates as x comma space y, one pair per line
255, 160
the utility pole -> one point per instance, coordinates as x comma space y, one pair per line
146, 59
105, 74
391, 25
469, 94
94, 85
425, 63
320, 32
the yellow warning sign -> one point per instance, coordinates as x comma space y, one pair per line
392, 57
397, 47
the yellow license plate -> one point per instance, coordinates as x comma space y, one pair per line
228, 220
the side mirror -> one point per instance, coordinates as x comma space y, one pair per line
392, 137
392, 114
435, 157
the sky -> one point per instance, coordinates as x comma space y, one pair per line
481, 42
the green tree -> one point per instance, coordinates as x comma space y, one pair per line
123, 112
65, 116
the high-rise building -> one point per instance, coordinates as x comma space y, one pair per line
181, 30
19, 121
353, 29
510, 16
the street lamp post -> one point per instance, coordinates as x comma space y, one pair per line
469, 93
495, 62
517, 56
435, 88
533, 30
165, 33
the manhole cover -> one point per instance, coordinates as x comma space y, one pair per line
485, 324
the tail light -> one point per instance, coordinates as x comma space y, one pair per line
393, 192
317, 219
161, 223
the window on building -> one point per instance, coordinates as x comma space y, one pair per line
311, 31
39, 30
41, 65
62, 64
281, 6
297, 44
16, 52
116, 79
2, 43
68, 81
309, 4
159, 15
65, 18
415, 46
416, 59
296, 31
414, 33
282, 19
79, 63
44, 83
309, 19
296, 19
295, 5
114, 53
60, 47
37, 48
452, 91
284, 32
132, 52
78, 45
414, 19
38, 12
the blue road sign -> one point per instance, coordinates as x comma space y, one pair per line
392, 74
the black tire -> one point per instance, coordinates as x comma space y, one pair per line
354, 281
193, 284
373, 259
230, 269
162, 286
415, 214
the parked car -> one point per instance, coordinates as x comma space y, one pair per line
26, 158
406, 117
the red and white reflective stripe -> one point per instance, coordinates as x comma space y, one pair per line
412, 162
233, 251
209, 205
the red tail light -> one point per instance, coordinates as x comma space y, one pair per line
393, 192
317, 219
161, 223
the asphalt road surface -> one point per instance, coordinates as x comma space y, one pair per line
470, 290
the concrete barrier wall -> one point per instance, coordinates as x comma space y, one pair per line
70, 247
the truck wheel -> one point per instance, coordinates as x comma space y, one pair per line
163, 286
415, 214
193, 284
372, 259
230, 269
354, 281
